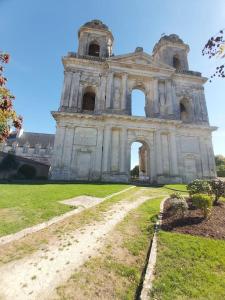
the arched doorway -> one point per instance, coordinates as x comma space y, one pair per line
138, 103
139, 161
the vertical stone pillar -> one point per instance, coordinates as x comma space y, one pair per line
158, 152
58, 149
106, 148
102, 93
203, 105
79, 97
123, 154
66, 89
155, 96
173, 154
124, 92
109, 90
169, 101
203, 156
74, 90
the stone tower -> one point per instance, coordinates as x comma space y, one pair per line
95, 128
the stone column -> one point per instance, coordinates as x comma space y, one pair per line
123, 154
79, 97
109, 90
203, 105
169, 101
106, 148
158, 152
57, 150
102, 93
155, 96
124, 92
74, 90
66, 89
173, 154
203, 156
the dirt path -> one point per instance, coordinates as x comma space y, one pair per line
36, 276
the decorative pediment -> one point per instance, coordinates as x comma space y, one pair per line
139, 58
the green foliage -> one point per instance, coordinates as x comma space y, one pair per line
203, 202
199, 186
27, 171
9, 163
176, 195
189, 267
178, 206
217, 188
220, 165
135, 172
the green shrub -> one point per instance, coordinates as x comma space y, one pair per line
27, 171
198, 186
178, 206
176, 195
217, 188
203, 202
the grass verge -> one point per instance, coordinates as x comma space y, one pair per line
117, 272
189, 267
24, 205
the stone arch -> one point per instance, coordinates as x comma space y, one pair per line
185, 110
138, 93
88, 100
176, 62
143, 161
94, 49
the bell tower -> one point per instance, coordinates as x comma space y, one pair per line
171, 50
95, 39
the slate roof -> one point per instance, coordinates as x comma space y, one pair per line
32, 138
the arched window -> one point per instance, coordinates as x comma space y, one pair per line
88, 100
94, 49
176, 62
138, 103
185, 110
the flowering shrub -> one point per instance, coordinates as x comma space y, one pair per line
217, 188
203, 202
8, 116
198, 186
176, 195
178, 206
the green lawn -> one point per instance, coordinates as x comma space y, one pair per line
189, 267
23, 205
182, 188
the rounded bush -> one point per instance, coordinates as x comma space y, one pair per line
176, 195
178, 206
27, 171
198, 186
203, 202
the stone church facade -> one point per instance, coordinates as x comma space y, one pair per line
95, 127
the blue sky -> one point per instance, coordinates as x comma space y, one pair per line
38, 33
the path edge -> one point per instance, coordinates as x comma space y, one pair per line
149, 274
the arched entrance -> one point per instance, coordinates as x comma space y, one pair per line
139, 161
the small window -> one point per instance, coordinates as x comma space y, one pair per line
176, 62
94, 50
89, 101
184, 114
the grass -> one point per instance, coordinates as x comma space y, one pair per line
189, 267
117, 272
24, 205
182, 188
38, 240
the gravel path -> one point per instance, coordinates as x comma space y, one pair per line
36, 276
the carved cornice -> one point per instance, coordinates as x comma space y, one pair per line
134, 119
